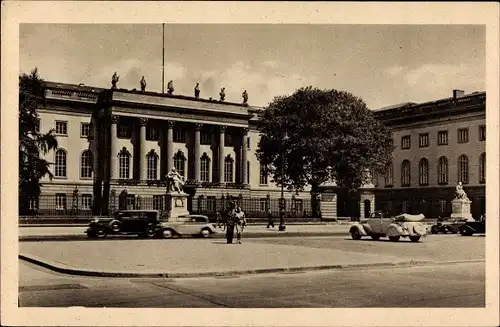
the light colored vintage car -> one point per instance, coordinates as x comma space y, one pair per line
191, 225
377, 226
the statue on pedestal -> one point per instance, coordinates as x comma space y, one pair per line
197, 91
245, 97
114, 80
366, 177
222, 94
143, 84
170, 87
460, 193
175, 182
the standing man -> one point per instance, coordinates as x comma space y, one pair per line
240, 223
229, 224
270, 218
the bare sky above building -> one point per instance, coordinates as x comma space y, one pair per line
382, 64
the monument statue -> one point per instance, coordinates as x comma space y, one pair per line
366, 177
170, 87
175, 181
114, 80
245, 97
197, 91
143, 84
222, 94
460, 193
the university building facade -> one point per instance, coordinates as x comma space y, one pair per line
111, 140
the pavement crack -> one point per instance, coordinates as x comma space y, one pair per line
182, 290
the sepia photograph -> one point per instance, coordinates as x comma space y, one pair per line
236, 165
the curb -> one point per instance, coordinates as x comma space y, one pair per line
81, 272
24, 225
80, 237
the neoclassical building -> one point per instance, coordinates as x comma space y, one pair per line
111, 140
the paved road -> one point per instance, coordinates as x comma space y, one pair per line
430, 286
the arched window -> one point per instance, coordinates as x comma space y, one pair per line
463, 169
248, 171
180, 162
389, 175
60, 163
205, 168
443, 171
405, 173
124, 164
86, 164
423, 172
482, 168
228, 169
152, 158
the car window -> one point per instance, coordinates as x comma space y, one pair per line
200, 219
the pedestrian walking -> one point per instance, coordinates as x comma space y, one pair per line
240, 223
229, 225
219, 221
270, 218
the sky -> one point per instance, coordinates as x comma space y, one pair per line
382, 64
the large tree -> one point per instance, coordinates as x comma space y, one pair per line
32, 143
304, 134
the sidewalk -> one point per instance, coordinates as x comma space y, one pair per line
194, 258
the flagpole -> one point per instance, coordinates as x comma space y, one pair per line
163, 59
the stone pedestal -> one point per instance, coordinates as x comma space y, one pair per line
461, 209
328, 204
366, 202
177, 205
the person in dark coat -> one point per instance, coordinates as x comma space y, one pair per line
229, 225
270, 219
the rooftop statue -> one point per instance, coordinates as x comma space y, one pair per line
197, 91
170, 87
460, 193
222, 94
114, 80
143, 84
175, 182
245, 97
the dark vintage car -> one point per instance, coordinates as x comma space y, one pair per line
473, 227
447, 226
143, 223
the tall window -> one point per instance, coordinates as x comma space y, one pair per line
463, 169
152, 172
157, 202
442, 137
482, 133
263, 175
205, 168
86, 201
123, 130
124, 164
405, 173
389, 175
406, 142
60, 201
179, 135
423, 140
228, 169
375, 179
86, 164
205, 138
463, 135
60, 163
84, 129
263, 204
61, 127
248, 172
180, 162
228, 140
482, 168
443, 206
423, 172
248, 143
443, 171
152, 133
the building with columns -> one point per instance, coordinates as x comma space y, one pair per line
111, 140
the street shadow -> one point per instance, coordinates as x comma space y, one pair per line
383, 240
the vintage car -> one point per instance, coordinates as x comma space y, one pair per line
447, 226
473, 227
141, 222
377, 226
187, 225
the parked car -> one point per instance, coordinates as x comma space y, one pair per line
141, 222
447, 226
192, 225
377, 226
471, 227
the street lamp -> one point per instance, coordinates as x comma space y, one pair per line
282, 226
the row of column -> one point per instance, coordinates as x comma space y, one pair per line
170, 143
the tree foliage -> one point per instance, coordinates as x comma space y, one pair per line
32, 143
313, 129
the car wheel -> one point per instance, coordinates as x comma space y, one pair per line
150, 232
115, 227
465, 232
100, 233
414, 238
394, 238
355, 234
167, 233
205, 233
434, 230
375, 237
